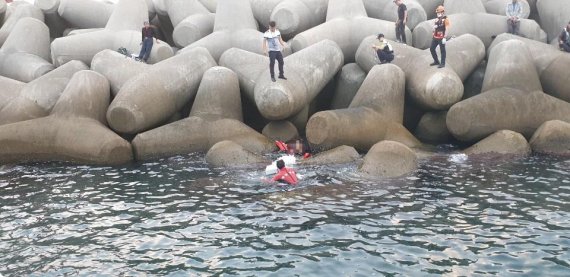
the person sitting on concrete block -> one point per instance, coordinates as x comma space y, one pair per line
564, 39
147, 33
514, 13
439, 36
384, 50
274, 43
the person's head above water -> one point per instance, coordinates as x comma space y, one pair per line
280, 164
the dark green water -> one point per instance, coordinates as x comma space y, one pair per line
176, 217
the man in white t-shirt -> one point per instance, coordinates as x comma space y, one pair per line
273, 42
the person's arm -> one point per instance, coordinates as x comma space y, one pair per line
518, 12
446, 27
142, 35
264, 45
282, 42
405, 16
508, 11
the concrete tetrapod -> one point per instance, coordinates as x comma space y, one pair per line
389, 159
280, 130
554, 15
215, 117
151, 97
85, 14
122, 30
20, 10
339, 155
375, 114
296, 16
464, 6
510, 65
552, 137
482, 25
25, 54
262, 10
307, 71
37, 98
348, 81
116, 68
227, 153
235, 26
387, 10
503, 142
347, 25
504, 109
500, 7
552, 65
432, 128
430, 87
75, 131
9, 89
56, 23
191, 21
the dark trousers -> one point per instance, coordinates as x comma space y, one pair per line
385, 57
434, 43
145, 50
401, 32
565, 46
272, 56
513, 26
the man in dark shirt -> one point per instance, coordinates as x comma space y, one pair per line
401, 22
147, 36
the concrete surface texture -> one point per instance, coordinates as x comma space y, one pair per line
234, 26
151, 97
123, 29
216, 116
502, 142
37, 98
552, 137
74, 131
389, 159
25, 54
373, 115
18, 11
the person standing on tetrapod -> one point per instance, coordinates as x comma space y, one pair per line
439, 37
273, 42
401, 22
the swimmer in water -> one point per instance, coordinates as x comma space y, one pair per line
285, 176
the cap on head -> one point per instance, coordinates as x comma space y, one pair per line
440, 9
280, 164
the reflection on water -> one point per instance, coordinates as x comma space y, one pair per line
176, 217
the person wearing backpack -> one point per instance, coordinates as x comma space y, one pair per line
564, 39
384, 50
439, 37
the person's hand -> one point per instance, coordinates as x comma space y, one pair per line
404, 21
265, 53
157, 42
444, 40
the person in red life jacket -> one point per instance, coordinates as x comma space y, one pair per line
147, 35
285, 175
439, 37
297, 147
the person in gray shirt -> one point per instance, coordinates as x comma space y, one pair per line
514, 13
273, 42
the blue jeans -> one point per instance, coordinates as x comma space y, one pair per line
145, 50
434, 43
